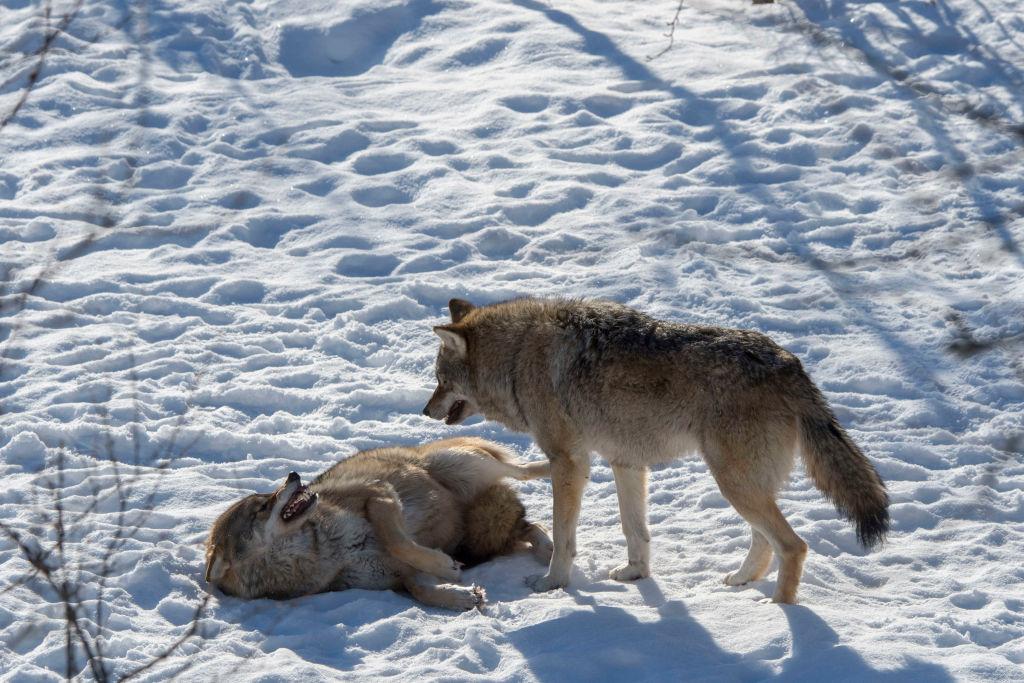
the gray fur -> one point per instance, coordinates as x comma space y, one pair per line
586, 377
381, 519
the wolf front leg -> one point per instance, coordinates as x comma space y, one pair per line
631, 487
568, 478
426, 589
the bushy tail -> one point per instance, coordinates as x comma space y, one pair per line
843, 472
496, 451
530, 470
495, 522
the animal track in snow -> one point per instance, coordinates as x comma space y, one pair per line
607, 105
367, 265
265, 232
163, 176
353, 46
381, 195
336, 148
320, 187
499, 243
240, 200
537, 212
436, 148
377, 163
480, 53
526, 104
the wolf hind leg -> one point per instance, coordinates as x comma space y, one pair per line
749, 463
765, 518
631, 487
384, 511
427, 590
755, 566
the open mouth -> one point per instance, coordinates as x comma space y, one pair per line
300, 501
455, 412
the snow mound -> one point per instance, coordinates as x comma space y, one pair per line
25, 450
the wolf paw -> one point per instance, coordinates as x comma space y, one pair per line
542, 583
479, 595
783, 598
444, 567
630, 572
465, 599
453, 572
736, 579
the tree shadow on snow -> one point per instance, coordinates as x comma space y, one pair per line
693, 109
315, 628
935, 29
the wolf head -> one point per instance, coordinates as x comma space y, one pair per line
261, 547
452, 400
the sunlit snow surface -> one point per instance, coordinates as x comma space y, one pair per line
295, 191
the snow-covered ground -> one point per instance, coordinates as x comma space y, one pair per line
246, 216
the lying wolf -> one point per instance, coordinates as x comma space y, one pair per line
586, 377
382, 519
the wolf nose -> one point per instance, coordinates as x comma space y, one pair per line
426, 410
294, 476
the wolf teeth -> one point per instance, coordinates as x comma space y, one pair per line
300, 497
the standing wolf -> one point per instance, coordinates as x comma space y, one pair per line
598, 376
381, 519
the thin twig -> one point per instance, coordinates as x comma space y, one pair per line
192, 631
671, 35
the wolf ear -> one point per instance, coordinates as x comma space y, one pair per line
215, 566
452, 339
459, 309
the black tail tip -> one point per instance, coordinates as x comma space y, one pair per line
872, 528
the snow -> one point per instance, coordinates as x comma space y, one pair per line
258, 210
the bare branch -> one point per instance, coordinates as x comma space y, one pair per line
190, 633
671, 35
